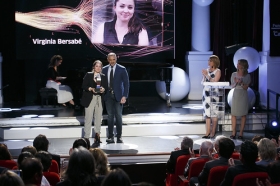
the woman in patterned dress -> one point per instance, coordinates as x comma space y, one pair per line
210, 95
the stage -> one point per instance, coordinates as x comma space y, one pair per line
151, 130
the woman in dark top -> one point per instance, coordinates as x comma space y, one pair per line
125, 28
64, 92
94, 85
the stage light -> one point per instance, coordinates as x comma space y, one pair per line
272, 130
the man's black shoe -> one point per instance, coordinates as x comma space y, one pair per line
110, 140
95, 144
119, 140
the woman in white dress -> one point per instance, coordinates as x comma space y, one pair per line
210, 95
64, 92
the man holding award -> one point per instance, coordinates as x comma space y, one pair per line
116, 95
94, 86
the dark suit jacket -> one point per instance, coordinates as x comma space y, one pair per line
56, 157
121, 82
240, 169
203, 176
89, 82
171, 163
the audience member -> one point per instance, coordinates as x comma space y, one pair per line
257, 138
186, 146
9, 178
42, 143
80, 170
4, 152
267, 152
101, 161
32, 171
225, 150
45, 158
80, 142
205, 149
273, 170
216, 144
248, 156
116, 177
30, 149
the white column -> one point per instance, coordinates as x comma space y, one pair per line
197, 59
1, 98
270, 66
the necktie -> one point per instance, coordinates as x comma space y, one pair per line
111, 78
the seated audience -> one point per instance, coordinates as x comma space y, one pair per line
216, 144
205, 149
273, 170
116, 177
101, 161
225, 150
4, 152
267, 152
25, 155
80, 170
30, 149
42, 143
80, 142
186, 146
257, 138
31, 171
9, 178
248, 156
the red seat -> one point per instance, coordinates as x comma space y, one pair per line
235, 155
247, 179
216, 175
52, 177
194, 170
172, 179
54, 167
9, 164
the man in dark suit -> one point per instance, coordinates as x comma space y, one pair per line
116, 96
186, 146
248, 156
226, 148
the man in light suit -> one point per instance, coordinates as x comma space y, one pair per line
116, 96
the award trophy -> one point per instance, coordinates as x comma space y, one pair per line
98, 83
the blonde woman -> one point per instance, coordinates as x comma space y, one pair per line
240, 81
94, 86
101, 162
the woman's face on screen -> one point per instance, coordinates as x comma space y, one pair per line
124, 9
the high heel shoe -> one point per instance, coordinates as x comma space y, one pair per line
98, 138
206, 136
213, 135
96, 141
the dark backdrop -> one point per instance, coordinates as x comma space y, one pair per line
233, 22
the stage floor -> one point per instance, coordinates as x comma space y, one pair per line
136, 148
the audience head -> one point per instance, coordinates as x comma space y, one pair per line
187, 143
273, 170
226, 147
81, 167
45, 158
30, 149
9, 178
257, 138
248, 152
101, 161
41, 143
217, 141
32, 171
23, 156
116, 177
80, 142
267, 150
206, 147
4, 152
88, 142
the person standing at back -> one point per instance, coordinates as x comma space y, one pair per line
115, 97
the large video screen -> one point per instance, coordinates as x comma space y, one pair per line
140, 30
